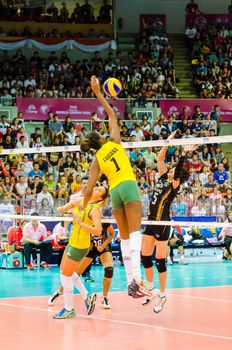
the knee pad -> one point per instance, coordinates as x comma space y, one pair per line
135, 241
108, 272
161, 265
179, 243
147, 261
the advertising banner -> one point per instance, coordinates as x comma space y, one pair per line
169, 106
38, 108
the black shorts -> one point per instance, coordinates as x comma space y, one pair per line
94, 253
160, 233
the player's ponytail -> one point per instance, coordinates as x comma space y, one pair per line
93, 140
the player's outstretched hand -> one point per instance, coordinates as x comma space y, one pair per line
172, 135
95, 86
61, 209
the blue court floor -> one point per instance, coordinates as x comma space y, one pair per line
39, 282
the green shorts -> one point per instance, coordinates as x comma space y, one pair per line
76, 254
126, 192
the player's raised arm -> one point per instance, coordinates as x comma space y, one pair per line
113, 122
161, 156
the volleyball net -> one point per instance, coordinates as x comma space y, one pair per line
203, 201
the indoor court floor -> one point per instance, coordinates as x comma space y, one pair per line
197, 314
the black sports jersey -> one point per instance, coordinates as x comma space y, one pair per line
96, 241
162, 198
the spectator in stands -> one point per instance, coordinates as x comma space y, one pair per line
62, 189
192, 8
36, 185
198, 210
210, 184
7, 208
86, 12
55, 128
218, 210
45, 194
21, 186
179, 207
53, 11
104, 13
227, 200
22, 143
34, 236
64, 13
203, 176
35, 172
4, 126
220, 175
216, 115
44, 209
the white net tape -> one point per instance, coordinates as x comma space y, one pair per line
112, 221
138, 144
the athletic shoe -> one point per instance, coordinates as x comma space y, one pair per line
88, 278
137, 290
30, 267
90, 303
160, 303
148, 300
54, 296
63, 314
45, 265
105, 303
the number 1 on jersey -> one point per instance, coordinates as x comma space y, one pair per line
115, 163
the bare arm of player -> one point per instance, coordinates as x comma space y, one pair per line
113, 123
161, 156
93, 178
96, 229
68, 206
111, 233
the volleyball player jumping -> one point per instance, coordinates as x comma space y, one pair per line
111, 160
164, 193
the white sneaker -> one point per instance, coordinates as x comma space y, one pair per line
148, 300
105, 303
160, 301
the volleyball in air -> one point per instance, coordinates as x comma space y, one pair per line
112, 87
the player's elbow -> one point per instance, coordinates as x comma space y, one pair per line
98, 230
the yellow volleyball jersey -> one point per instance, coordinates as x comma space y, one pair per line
114, 163
80, 238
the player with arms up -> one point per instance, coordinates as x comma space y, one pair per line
111, 160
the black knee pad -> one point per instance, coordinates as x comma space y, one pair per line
179, 243
147, 261
161, 265
108, 272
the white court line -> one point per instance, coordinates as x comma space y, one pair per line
123, 291
129, 323
200, 298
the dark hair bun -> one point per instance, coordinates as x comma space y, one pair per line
85, 146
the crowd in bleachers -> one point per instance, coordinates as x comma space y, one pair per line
142, 77
54, 34
211, 47
82, 13
41, 182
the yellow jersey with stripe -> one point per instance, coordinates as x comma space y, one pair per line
80, 238
114, 163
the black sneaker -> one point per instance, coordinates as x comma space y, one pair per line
54, 296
